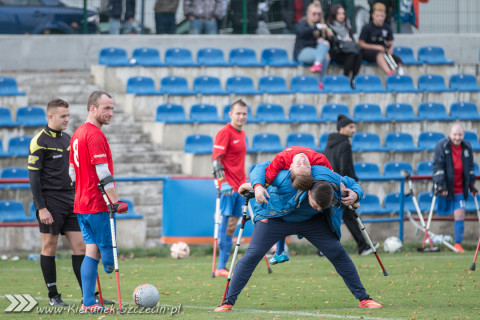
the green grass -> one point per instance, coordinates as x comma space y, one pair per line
420, 286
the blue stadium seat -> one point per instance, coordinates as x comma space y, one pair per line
174, 86
204, 113
149, 57
207, 85
198, 144
322, 141
18, 146
330, 111
6, 118
472, 137
370, 204
276, 57
271, 113
366, 170
425, 201
226, 117
392, 202
131, 214
3, 153
272, 85
398, 83
211, 57
171, 113
179, 57
303, 113
240, 85
141, 86
433, 55
400, 142
304, 84
337, 84
464, 111
244, 57
266, 142
428, 140
301, 139
464, 82
394, 169
432, 83
14, 173
476, 169
13, 211
114, 57
406, 54
400, 112
433, 111
366, 141
368, 112
8, 87
470, 204
425, 168
31, 116
368, 83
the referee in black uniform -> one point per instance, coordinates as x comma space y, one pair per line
53, 195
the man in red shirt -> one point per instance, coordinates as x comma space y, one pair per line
91, 163
453, 174
229, 151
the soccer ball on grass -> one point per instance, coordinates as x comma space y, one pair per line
392, 245
179, 250
146, 296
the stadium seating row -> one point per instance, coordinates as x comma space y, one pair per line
361, 142
208, 85
8, 87
29, 116
367, 112
243, 57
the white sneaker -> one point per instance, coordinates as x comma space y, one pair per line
369, 250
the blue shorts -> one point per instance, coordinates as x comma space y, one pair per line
446, 206
95, 228
231, 206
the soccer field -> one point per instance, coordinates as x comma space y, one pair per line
420, 286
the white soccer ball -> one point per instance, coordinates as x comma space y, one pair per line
392, 245
146, 296
179, 250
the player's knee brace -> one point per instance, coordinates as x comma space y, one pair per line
107, 259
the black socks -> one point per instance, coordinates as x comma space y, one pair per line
49, 271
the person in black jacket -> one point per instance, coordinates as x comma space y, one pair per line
453, 176
121, 16
339, 153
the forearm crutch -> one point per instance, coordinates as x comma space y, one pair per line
391, 62
245, 217
265, 257
215, 230
114, 243
472, 267
367, 238
99, 290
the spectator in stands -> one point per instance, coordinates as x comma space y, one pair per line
53, 196
229, 151
344, 50
165, 16
453, 176
376, 40
236, 10
292, 12
339, 154
390, 6
203, 15
121, 16
311, 44
91, 164
349, 11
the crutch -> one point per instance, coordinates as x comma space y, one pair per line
250, 211
472, 267
426, 236
367, 238
390, 61
114, 243
245, 217
217, 224
99, 290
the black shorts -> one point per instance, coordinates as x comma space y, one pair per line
60, 205
371, 56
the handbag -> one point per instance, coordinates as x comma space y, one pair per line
342, 46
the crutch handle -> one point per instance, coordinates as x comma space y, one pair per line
248, 195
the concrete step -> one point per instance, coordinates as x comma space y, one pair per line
140, 157
132, 148
128, 138
122, 128
146, 169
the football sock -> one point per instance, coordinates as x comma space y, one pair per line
459, 227
47, 263
89, 277
280, 247
77, 265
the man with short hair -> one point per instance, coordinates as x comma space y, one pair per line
228, 159
53, 196
90, 164
454, 177
339, 153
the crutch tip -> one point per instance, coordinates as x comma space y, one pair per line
385, 273
270, 270
213, 274
472, 267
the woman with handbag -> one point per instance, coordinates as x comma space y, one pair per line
344, 50
311, 44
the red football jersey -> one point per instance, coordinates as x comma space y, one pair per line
89, 147
284, 159
231, 149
